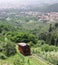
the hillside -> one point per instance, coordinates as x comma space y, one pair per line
52, 8
45, 8
17, 27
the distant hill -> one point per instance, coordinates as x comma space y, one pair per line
52, 8
44, 8
41, 8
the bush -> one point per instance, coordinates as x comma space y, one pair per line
21, 37
10, 49
31, 44
47, 48
40, 43
52, 57
2, 56
53, 48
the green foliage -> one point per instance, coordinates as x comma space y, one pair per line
50, 37
40, 43
50, 29
47, 48
56, 25
28, 29
6, 27
10, 49
18, 62
2, 56
43, 36
21, 37
7, 49
31, 44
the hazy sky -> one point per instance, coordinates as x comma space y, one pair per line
9, 3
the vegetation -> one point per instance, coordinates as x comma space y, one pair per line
7, 49
41, 36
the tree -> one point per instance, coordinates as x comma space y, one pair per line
10, 48
56, 25
22, 37
50, 29
43, 36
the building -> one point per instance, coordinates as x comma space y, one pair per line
24, 49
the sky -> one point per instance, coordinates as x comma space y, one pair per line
17, 3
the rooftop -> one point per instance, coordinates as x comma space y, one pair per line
22, 44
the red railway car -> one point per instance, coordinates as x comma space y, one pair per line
24, 48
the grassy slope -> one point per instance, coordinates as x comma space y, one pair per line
33, 60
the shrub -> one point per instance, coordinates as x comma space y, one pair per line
53, 57
21, 37
2, 56
31, 44
53, 48
10, 49
40, 43
47, 48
